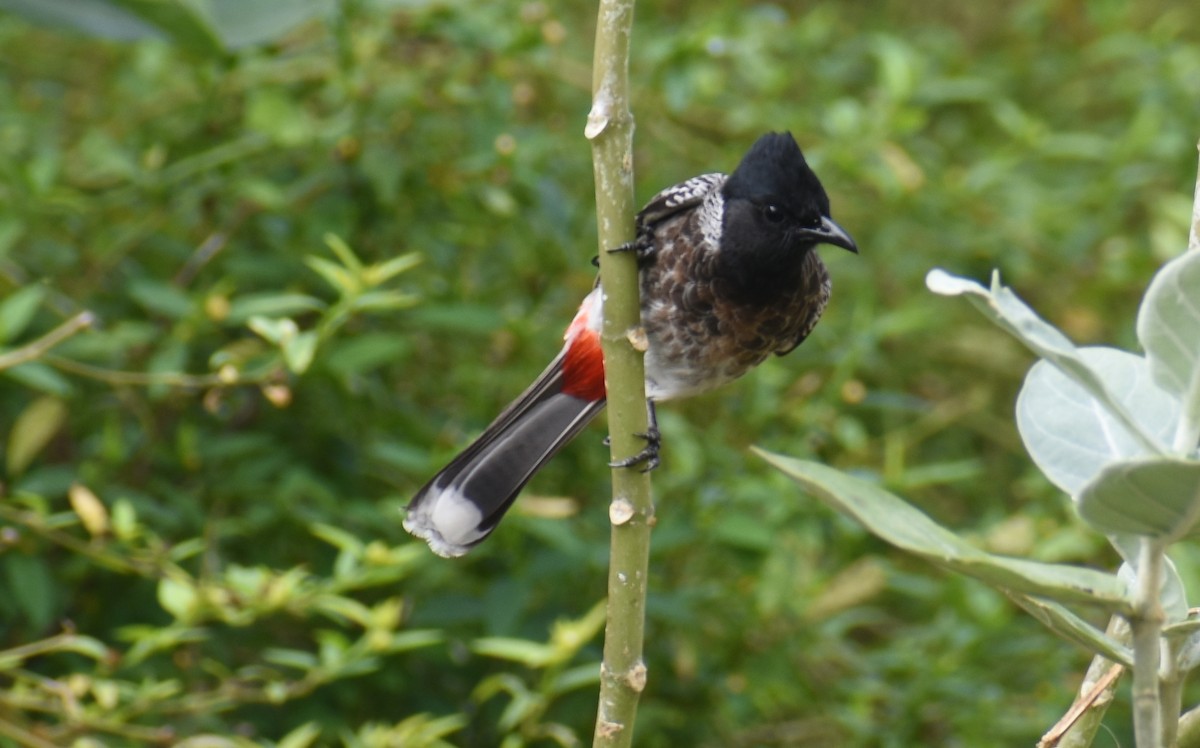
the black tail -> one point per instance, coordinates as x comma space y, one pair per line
464, 502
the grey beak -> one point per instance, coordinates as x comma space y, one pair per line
829, 232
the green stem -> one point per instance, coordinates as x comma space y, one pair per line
610, 130
1147, 622
1194, 235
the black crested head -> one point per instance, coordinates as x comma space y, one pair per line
774, 170
775, 212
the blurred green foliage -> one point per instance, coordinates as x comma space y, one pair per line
201, 533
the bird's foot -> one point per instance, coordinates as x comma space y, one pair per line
648, 457
642, 246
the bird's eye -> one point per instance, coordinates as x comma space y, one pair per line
773, 213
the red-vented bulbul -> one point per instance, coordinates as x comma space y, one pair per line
728, 276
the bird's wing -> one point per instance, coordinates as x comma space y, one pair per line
678, 198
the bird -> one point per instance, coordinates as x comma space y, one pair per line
728, 275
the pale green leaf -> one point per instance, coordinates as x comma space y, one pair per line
905, 527
1172, 594
1168, 327
1158, 497
1070, 435
1004, 308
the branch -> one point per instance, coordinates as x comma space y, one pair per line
42, 345
1078, 727
610, 130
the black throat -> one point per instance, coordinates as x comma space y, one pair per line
754, 276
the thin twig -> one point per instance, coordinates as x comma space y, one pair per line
1096, 694
38, 348
228, 378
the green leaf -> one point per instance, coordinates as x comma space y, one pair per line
1070, 436
381, 273
383, 301
11, 229
148, 640
340, 248
38, 376
342, 280
294, 658
272, 304
476, 319
185, 22
87, 646
1004, 308
241, 23
344, 608
1159, 497
905, 527
96, 17
362, 353
34, 427
302, 737
1167, 327
581, 676
18, 309
529, 653
1071, 627
416, 639
277, 331
1172, 593
177, 596
31, 588
337, 537
279, 116
298, 351
161, 298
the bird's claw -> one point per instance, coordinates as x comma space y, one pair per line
648, 457
642, 246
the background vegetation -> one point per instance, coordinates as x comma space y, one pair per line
201, 501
